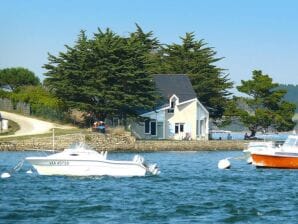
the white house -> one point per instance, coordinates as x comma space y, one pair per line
180, 115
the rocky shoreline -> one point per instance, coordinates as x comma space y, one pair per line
123, 142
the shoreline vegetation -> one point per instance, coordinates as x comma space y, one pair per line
130, 64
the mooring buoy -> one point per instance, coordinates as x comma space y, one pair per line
224, 164
5, 175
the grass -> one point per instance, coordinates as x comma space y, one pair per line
39, 118
118, 131
58, 132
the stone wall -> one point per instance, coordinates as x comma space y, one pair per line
123, 142
188, 145
98, 141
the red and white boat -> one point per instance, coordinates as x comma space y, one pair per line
284, 157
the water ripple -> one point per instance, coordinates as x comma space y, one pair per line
190, 189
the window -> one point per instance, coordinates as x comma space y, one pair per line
173, 101
150, 127
147, 127
172, 104
153, 127
176, 128
179, 127
171, 110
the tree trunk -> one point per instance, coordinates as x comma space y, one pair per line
253, 132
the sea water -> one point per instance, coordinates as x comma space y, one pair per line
189, 189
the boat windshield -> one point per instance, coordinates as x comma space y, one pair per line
291, 142
79, 145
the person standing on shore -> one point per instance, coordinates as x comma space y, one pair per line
229, 136
246, 136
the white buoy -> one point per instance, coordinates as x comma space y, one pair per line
29, 171
5, 175
224, 164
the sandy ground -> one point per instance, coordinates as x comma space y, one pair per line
30, 126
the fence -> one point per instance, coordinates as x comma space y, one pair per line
20, 107
27, 109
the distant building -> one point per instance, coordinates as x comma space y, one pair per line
180, 115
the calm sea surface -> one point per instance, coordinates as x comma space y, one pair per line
190, 189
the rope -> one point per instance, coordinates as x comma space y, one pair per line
239, 158
17, 167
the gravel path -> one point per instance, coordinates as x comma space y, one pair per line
30, 126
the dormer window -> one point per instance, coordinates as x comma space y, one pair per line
173, 102
171, 109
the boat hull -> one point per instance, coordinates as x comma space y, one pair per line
46, 166
275, 161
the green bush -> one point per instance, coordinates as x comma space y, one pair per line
42, 102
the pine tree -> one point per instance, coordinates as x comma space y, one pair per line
68, 74
106, 75
195, 59
268, 108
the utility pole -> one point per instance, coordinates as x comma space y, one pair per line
53, 138
1, 128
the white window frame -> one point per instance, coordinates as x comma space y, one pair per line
179, 125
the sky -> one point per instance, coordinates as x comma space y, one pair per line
248, 34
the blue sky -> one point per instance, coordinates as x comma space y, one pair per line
249, 34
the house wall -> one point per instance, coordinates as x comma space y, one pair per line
202, 123
192, 114
138, 128
169, 129
185, 114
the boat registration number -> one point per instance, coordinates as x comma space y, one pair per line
59, 163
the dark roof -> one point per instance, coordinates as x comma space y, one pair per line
178, 84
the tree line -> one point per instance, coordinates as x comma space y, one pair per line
110, 75
22, 85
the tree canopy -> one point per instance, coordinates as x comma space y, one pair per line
267, 105
13, 78
106, 75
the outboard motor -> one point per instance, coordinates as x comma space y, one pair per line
150, 168
153, 169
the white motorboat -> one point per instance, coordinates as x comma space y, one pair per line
81, 160
258, 146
